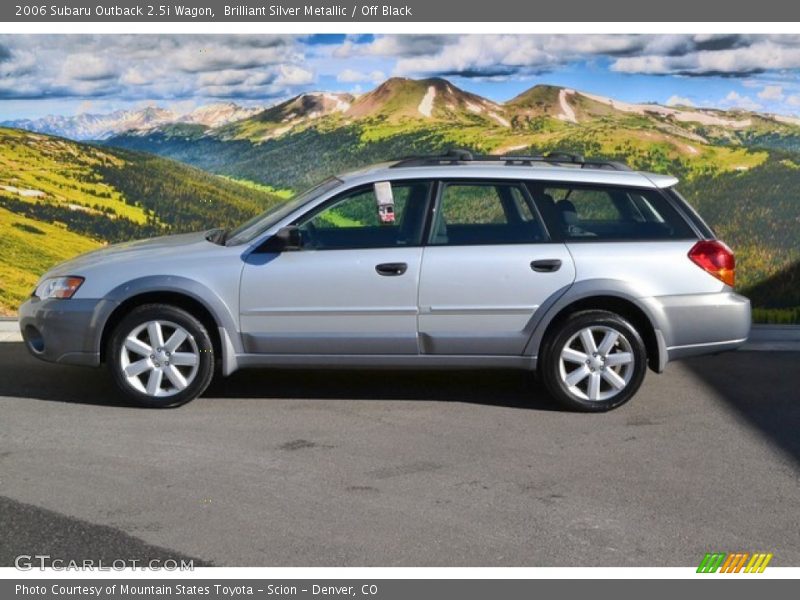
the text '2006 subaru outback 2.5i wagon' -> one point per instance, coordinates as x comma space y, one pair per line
584, 271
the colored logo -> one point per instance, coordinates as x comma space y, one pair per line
735, 562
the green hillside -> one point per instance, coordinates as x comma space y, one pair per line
59, 198
28, 247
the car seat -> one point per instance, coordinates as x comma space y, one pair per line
568, 217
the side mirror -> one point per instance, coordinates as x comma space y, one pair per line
288, 238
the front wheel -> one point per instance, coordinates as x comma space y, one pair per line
594, 361
161, 356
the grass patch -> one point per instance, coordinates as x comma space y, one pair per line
282, 193
28, 248
777, 316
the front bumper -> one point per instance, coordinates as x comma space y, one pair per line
65, 331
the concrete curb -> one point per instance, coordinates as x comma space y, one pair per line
763, 338
9, 330
773, 338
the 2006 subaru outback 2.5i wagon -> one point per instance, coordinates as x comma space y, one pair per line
584, 271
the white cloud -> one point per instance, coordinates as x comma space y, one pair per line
225, 77
293, 75
679, 101
771, 92
16, 64
754, 56
352, 76
349, 75
134, 76
87, 67
395, 46
151, 67
197, 57
481, 55
736, 100
793, 100
507, 55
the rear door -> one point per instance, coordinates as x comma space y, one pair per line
488, 266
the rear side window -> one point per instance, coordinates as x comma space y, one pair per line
590, 213
698, 221
477, 213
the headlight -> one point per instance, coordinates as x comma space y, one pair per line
58, 287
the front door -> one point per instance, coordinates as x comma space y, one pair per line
487, 269
351, 289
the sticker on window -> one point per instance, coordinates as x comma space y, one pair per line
385, 200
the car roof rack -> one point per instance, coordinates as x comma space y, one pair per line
458, 156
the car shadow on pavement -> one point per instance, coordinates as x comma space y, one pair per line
514, 389
23, 376
762, 388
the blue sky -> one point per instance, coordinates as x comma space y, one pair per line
71, 74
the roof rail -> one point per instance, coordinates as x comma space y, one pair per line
456, 156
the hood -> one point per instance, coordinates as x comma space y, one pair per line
128, 251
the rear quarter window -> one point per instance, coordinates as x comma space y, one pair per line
691, 213
600, 213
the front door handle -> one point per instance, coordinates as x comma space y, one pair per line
391, 269
546, 265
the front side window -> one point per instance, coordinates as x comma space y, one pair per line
608, 213
358, 219
477, 213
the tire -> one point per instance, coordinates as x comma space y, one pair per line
171, 372
610, 378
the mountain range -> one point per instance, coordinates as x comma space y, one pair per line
430, 100
402, 116
88, 126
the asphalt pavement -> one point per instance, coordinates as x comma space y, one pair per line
297, 468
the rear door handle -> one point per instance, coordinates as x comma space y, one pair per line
391, 269
546, 265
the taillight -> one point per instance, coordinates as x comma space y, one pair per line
716, 258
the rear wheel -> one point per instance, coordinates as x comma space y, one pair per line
594, 362
161, 356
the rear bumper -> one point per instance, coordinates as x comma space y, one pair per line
702, 323
64, 331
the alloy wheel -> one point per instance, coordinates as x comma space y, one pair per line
596, 363
159, 358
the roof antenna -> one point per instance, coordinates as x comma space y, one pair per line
459, 154
565, 157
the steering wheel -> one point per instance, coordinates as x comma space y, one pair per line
309, 233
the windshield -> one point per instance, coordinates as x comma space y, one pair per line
260, 223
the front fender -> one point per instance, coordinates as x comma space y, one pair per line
225, 318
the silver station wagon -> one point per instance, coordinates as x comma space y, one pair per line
583, 271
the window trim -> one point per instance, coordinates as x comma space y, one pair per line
441, 185
556, 230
